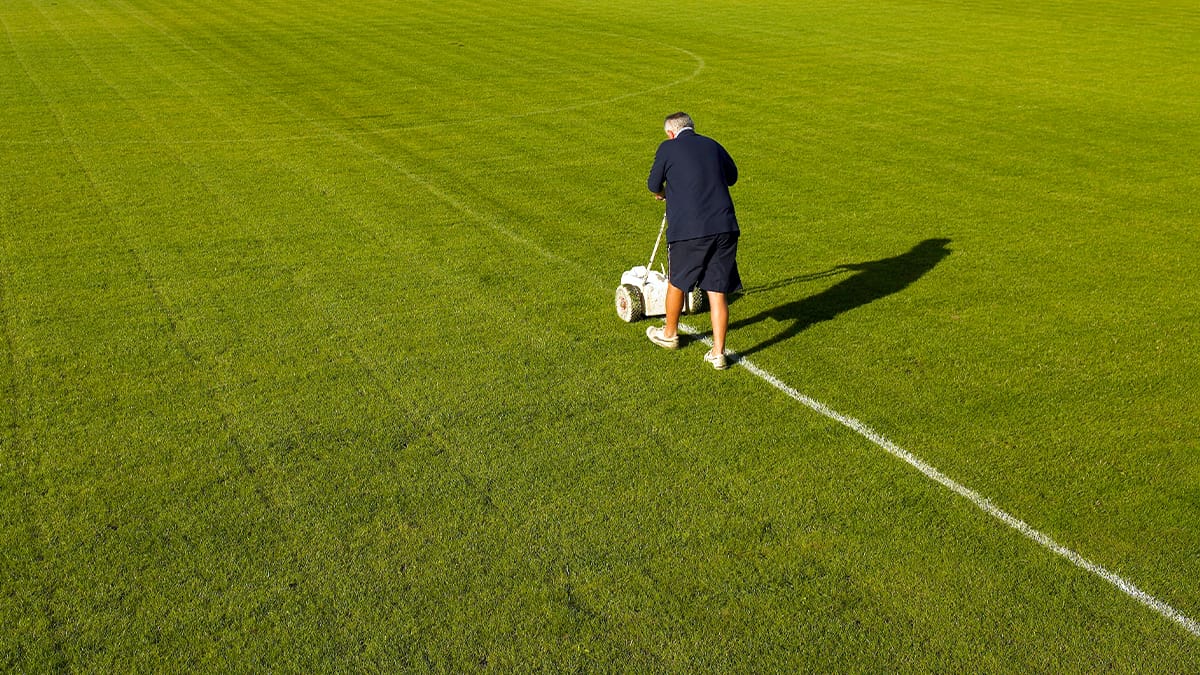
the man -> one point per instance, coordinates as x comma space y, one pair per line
692, 174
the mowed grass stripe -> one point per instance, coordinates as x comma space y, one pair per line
327, 127
115, 215
252, 604
28, 623
453, 70
137, 497
322, 301
257, 443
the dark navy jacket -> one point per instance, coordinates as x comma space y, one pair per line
697, 173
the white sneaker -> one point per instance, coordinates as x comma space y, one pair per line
716, 360
655, 333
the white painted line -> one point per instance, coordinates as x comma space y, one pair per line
985, 505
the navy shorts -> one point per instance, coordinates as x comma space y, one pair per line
707, 262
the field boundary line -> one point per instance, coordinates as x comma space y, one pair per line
984, 504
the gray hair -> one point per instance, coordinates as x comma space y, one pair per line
678, 122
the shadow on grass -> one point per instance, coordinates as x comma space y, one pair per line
871, 281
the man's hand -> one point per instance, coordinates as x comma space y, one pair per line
660, 196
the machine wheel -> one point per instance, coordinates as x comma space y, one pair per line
630, 304
694, 301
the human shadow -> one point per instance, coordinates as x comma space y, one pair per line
798, 279
871, 281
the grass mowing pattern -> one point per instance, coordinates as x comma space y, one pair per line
309, 358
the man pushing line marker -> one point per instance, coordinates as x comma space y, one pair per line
692, 173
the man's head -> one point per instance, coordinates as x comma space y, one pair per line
678, 122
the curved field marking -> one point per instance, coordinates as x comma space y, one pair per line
984, 504
385, 131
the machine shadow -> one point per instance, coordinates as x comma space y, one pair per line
870, 282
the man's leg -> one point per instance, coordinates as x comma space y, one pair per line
718, 313
674, 309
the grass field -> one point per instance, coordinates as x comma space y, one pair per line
310, 360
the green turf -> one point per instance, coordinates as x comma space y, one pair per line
309, 358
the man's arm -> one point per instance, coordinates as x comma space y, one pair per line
658, 175
728, 168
